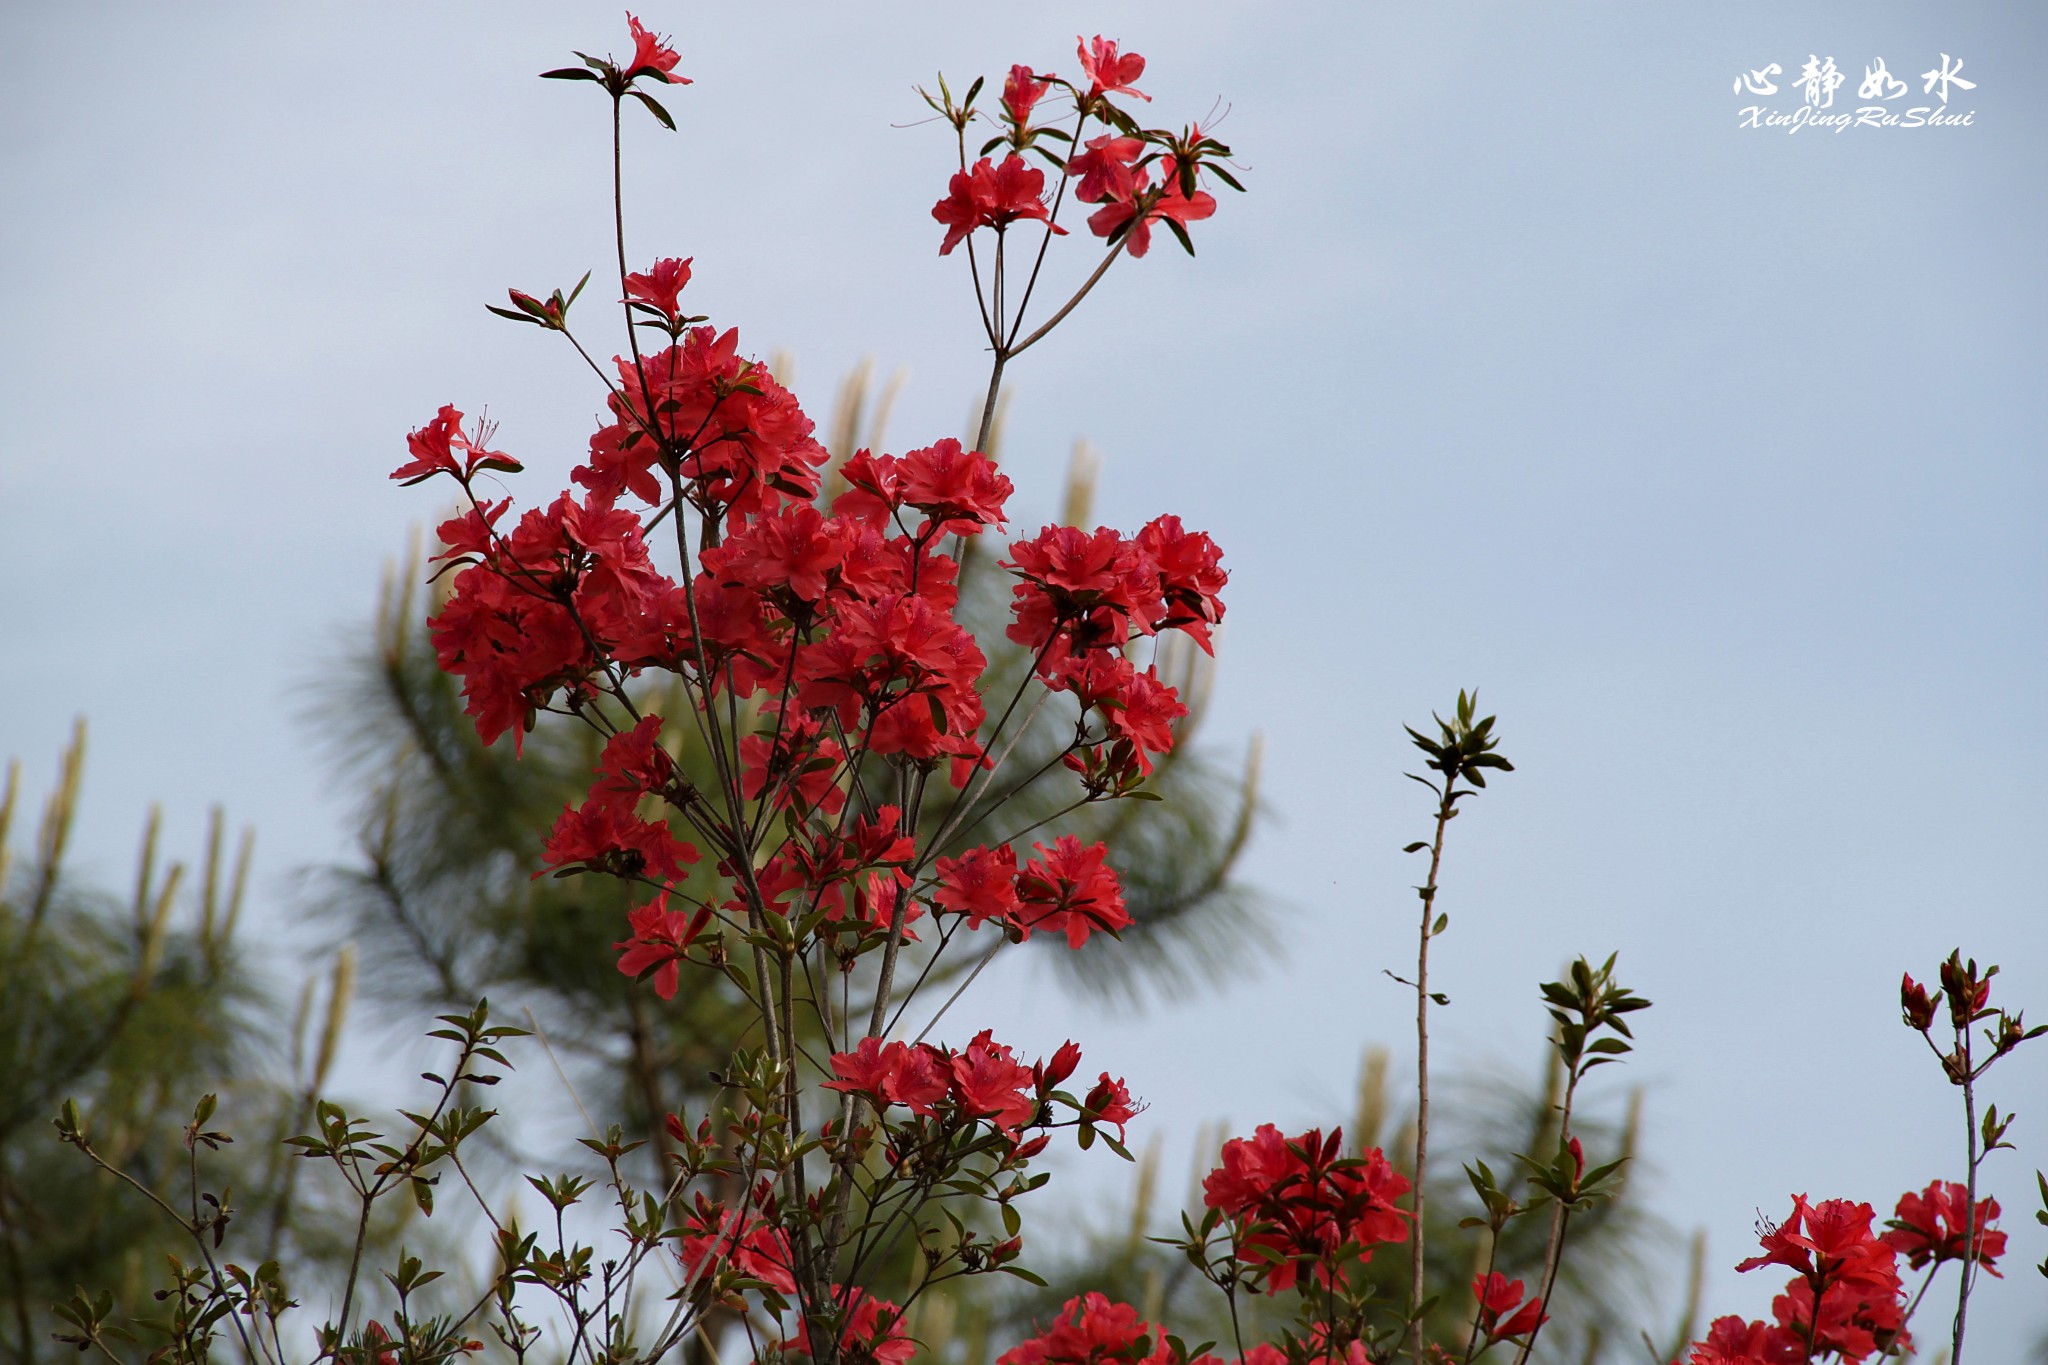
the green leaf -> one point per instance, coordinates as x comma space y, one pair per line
654, 108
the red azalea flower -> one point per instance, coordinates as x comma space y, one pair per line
1062, 1064
633, 765
873, 1330
1144, 712
1023, 88
743, 1240
659, 286
1502, 1314
1930, 1227
1108, 168
660, 937
915, 1076
1092, 1330
1169, 203
1301, 1201
433, 449
1732, 1341
992, 196
1107, 71
989, 1083
1110, 1102
652, 56
959, 490
1070, 889
980, 884
604, 838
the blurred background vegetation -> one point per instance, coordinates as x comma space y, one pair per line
136, 1005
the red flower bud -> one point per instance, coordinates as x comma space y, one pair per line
1916, 1003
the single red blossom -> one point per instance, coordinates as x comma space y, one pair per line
1107, 71
1096, 678
742, 1240
990, 1083
874, 488
985, 195
795, 548
633, 765
604, 838
652, 56
471, 533
1502, 1314
433, 449
980, 884
959, 490
1108, 1101
1092, 1330
1108, 169
1070, 889
1060, 1066
1930, 1227
659, 285
873, 1330
1023, 88
660, 938
1144, 712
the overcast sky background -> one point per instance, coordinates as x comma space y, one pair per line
1712, 455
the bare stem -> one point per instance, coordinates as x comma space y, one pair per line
1446, 808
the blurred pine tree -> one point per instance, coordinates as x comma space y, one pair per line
132, 1011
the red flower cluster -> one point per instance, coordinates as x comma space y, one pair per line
738, 1242
1846, 1297
1083, 598
1092, 1330
1930, 1227
531, 611
605, 834
981, 1083
1067, 889
872, 1330
992, 196
1298, 1201
1114, 177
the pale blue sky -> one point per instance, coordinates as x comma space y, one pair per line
1712, 455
